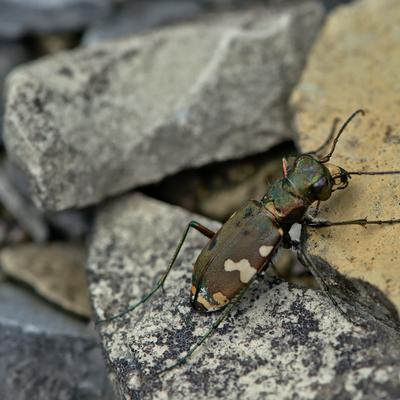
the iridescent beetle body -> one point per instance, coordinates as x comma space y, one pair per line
244, 246
241, 248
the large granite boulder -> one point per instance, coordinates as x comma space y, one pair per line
91, 123
281, 342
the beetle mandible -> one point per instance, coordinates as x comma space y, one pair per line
244, 246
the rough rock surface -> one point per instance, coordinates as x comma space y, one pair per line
46, 355
94, 122
21, 208
15, 197
55, 270
354, 64
282, 342
11, 54
21, 17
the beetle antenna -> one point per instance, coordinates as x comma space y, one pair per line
341, 130
328, 139
373, 172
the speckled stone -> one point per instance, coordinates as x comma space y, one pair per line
11, 54
354, 64
282, 342
94, 122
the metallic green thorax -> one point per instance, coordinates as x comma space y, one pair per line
307, 181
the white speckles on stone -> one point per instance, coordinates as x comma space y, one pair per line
243, 266
382, 376
133, 381
265, 250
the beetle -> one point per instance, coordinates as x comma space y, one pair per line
244, 246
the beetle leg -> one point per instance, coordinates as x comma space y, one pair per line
193, 224
316, 209
321, 223
274, 268
309, 264
214, 326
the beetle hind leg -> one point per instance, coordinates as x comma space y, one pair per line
160, 284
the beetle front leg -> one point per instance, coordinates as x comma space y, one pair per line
309, 264
193, 224
322, 223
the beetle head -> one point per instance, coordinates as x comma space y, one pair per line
311, 179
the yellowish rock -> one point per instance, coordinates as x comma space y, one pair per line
56, 271
356, 64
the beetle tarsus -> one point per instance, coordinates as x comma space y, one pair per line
309, 264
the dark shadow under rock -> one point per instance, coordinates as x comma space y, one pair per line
218, 189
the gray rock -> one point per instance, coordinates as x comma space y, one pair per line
94, 122
21, 17
10, 232
224, 4
21, 208
68, 224
72, 224
138, 16
46, 355
54, 270
11, 54
282, 342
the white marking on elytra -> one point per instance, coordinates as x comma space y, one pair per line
243, 266
265, 250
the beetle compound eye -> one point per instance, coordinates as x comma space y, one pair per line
320, 184
322, 188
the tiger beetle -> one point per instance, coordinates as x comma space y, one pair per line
244, 246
